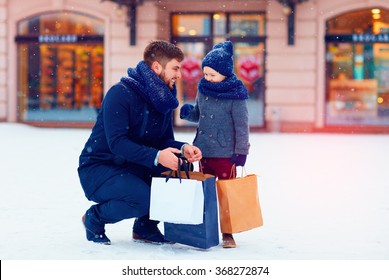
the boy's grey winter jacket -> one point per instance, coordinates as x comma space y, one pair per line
223, 126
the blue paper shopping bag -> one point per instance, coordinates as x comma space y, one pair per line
206, 234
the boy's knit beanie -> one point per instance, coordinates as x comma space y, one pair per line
220, 58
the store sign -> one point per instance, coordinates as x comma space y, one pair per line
373, 38
58, 38
358, 38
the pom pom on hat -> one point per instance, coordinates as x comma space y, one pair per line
220, 58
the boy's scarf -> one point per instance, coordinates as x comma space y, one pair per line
230, 88
154, 91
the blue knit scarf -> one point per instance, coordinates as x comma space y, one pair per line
230, 88
153, 90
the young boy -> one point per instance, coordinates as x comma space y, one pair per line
222, 116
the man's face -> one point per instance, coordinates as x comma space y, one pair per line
170, 73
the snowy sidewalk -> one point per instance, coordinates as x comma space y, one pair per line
324, 197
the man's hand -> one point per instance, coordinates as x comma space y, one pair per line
192, 153
168, 158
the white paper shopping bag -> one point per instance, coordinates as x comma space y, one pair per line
179, 201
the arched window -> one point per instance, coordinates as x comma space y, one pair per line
60, 67
357, 68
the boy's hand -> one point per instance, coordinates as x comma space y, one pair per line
192, 153
239, 160
185, 111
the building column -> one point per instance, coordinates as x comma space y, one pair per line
3, 60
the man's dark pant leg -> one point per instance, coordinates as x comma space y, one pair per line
121, 197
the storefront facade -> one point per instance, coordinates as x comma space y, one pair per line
323, 67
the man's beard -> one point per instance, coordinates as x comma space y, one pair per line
162, 76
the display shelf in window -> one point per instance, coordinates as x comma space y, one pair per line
353, 98
65, 88
47, 80
82, 66
97, 73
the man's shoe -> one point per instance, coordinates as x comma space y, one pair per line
228, 241
94, 233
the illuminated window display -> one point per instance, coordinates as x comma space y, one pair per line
357, 67
60, 68
197, 33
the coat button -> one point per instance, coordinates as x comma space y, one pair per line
210, 135
203, 116
206, 98
212, 116
201, 132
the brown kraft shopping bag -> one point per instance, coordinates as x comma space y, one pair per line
239, 207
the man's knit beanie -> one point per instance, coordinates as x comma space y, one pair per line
220, 58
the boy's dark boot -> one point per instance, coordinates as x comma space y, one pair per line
228, 241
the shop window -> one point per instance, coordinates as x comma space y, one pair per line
247, 25
191, 25
357, 67
60, 68
197, 33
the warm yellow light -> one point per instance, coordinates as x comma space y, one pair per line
376, 16
216, 16
380, 100
375, 11
286, 10
192, 32
119, 11
57, 25
181, 29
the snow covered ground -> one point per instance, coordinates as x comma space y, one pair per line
323, 197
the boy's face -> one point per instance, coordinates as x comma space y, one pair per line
212, 75
170, 73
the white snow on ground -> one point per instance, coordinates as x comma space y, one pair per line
323, 197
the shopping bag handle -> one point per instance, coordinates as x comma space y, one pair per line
182, 164
233, 171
